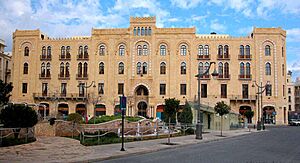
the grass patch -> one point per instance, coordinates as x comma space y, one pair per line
107, 118
12, 141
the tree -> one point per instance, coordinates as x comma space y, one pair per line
5, 90
75, 117
249, 114
171, 105
18, 116
186, 116
222, 109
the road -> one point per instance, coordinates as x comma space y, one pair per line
278, 144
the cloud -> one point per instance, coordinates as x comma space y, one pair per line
173, 20
293, 35
215, 26
186, 4
265, 7
245, 30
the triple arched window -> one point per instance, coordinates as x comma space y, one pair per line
163, 68
268, 68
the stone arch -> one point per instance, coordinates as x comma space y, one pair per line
63, 108
138, 84
25, 43
242, 109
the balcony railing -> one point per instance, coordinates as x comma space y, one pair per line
63, 76
81, 76
224, 57
241, 97
245, 77
245, 57
83, 57
224, 76
203, 57
55, 96
65, 58
45, 57
207, 77
45, 76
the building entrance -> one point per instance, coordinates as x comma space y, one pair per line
142, 109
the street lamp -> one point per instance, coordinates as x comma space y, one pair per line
260, 90
200, 113
86, 86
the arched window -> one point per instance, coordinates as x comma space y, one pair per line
183, 68
26, 51
145, 50
268, 68
44, 52
62, 70
283, 72
200, 50
242, 69
248, 51
80, 69
121, 68
200, 68
102, 50
86, 51
139, 50
85, 69
242, 50
149, 31
138, 31
220, 51
62, 53
144, 68
226, 70
43, 70
142, 31
49, 52
80, 52
68, 55
48, 74
163, 50
183, 50
121, 50
162, 68
146, 31
220, 70
139, 68
226, 51
248, 70
67, 69
206, 50
101, 68
25, 68
134, 31
267, 50
206, 66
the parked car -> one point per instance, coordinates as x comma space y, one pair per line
294, 122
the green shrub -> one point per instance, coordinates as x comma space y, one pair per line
75, 117
107, 118
190, 131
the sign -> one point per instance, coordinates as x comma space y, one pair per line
122, 102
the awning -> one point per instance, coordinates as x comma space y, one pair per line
100, 109
203, 107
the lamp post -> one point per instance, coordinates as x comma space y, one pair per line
200, 113
260, 90
95, 102
86, 86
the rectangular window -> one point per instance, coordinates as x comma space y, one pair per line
24, 87
245, 92
120, 88
289, 90
63, 89
44, 89
81, 89
283, 90
290, 99
182, 89
269, 90
223, 90
204, 90
162, 89
100, 88
290, 107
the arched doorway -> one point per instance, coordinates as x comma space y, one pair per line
43, 111
269, 115
141, 90
142, 108
242, 111
63, 109
81, 109
100, 109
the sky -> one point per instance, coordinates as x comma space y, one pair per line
66, 18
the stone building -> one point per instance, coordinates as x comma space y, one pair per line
149, 64
297, 95
5, 65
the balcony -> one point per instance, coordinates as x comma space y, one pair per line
223, 76
63, 76
224, 57
203, 57
57, 96
245, 77
83, 57
82, 77
45, 57
65, 58
45, 76
245, 57
242, 97
205, 77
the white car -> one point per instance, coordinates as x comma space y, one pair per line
294, 122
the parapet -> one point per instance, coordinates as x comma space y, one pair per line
273, 30
27, 33
143, 20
